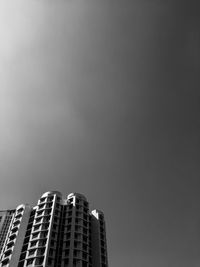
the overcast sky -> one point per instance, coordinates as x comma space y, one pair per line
102, 97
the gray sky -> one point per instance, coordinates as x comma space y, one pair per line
101, 97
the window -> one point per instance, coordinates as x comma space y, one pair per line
66, 262
69, 213
52, 243
32, 213
39, 213
46, 219
85, 210
49, 206
53, 234
85, 204
56, 212
14, 230
37, 227
84, 255
84, 247
42, 242
24, 248
31, 252
39, 261
68, 227
71, 200
102, 243
41, 251
50, 261
12, 237
51, 252
68, 235
85, 223
23, 256
85, 231
70, 206
5, 262
7, 253
10, 245
50, 198
33, 244
100, 217
85, 238
38, 220
28, 232
35, 235
78, 213
18, 216
67, 244
47, 212
30, 262
16, 223
67, 252
41, 206
76, 262
54, 226
20, 210
26, 240
21, 264
42, 199
69, 220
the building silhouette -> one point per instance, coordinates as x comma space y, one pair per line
57, 232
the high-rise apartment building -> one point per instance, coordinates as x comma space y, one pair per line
5, 220
57, 232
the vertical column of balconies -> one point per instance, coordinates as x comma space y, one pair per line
90, 242
6, 217
98, 238
38, 237
11, 238
103, 246
67, 231
14, 242
77, 234
37, 248
60, 235
26, 239
82, 232
53, 240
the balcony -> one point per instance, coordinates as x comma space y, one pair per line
7, 253
16, 222
4, 262
10, 244
14, 229
12, 237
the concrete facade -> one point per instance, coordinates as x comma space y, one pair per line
57, 232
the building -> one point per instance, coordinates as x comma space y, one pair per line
57, 232
5, 220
